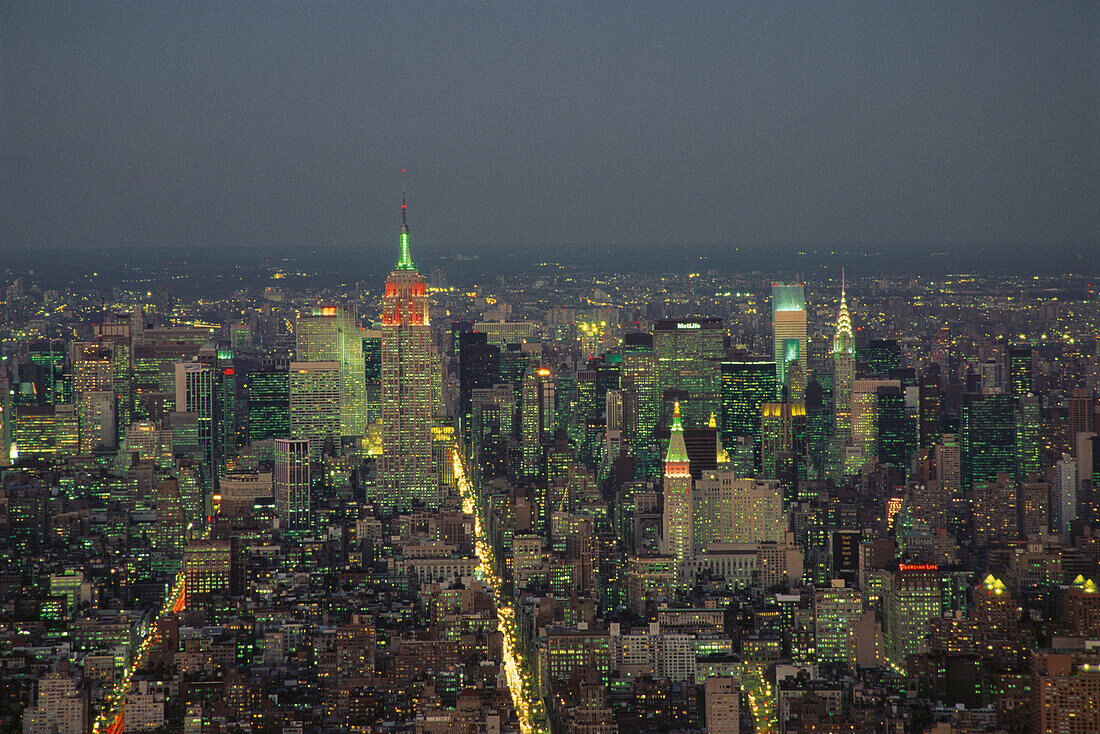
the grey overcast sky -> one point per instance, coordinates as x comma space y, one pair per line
544, 125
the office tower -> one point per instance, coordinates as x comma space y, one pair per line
290, 483
1064, 501
268, 392
723, 705
844, 370
600, 375
788, 329
688, 353
746, 385
98, 423
537, 418
547, 404
929, 503
491, 431
641, 406
35, 431
171, 532
995, 510
206, 568
7, 417
228, 431
501, 333
67, 428
988, 438
315, 403
837, 610
912, 600
1029, 427
478, 367
93, 393
782, 431
821, 359
122, 379
895, 431
880, 356
819, 426
207, 388
1082, 415
726, 509
49, 357
408, 394
949, 464
332, 334
1035, 514
372, 374
865, 415
677, 493
149, 442
930, 407
613, 419
1018, 357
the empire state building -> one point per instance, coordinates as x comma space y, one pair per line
406, 475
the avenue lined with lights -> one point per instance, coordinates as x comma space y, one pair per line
525, 698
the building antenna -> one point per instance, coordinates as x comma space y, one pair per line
404, 206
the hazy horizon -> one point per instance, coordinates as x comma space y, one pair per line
288, 125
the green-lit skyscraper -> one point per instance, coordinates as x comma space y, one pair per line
988, 438
1028, 437
268, 404
880, 356
746, 384
789, 330
896, 430
689, 354
290, 483
641, 407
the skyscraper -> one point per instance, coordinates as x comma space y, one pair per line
688, 352
844, 370
865, 414
746, 385
988, 438
930, 407
677, 491
1029, 426
315, 403
911, 601
642, 406
1018, 357
408, 394
290, 483
332, 334
789, 325
268, 403
783, 443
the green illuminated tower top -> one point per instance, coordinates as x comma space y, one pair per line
405, 263
677, 449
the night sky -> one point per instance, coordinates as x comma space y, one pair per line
544, 126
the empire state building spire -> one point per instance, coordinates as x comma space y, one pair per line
405, 262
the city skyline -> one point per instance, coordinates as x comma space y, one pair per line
743, 377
